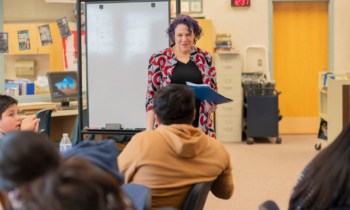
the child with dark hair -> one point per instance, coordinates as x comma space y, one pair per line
76, 185
24, 156
325, 182
177, 155
10, 120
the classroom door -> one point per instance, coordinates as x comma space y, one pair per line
300, 51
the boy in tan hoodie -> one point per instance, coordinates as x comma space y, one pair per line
170, 159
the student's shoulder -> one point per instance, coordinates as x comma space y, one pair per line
146, 137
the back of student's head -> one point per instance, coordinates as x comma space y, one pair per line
76, 185
174, 104
24, 156
325, 183
6, 102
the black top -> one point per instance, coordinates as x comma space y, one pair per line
188, 72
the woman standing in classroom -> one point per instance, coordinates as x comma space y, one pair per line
182, 62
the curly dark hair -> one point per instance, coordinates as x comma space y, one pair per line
5, 102
191, 23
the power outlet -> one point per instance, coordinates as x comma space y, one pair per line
259, 62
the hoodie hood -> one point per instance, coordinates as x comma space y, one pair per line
104, 154
186, 140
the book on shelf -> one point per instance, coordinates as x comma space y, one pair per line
223, 49
30, 88
223, 42
12, 89
204, 92
223, 35
223, 45
23, 86
223, 39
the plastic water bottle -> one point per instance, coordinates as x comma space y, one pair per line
65, 143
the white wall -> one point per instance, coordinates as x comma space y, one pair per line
342, 35
249, 26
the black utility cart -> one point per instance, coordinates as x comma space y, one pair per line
262, 114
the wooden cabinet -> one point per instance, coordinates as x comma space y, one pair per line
228, 117
55, 50
206, 41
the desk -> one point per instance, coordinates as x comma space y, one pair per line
57, 113
61, 122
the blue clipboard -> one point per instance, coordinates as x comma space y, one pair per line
204, 92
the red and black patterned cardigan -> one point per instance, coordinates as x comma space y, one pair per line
160, 70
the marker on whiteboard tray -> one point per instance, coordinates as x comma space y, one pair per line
93, 128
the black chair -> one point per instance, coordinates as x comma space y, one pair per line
197, 196
140, 195
268, 205
45, 121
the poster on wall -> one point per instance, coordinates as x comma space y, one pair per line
187, 6
173, 9
45, 35
4, 42
82, 15
196, 6
70, 54
23, 40
63, 27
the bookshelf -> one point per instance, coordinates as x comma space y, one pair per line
334, 103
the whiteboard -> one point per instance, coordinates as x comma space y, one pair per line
121, 38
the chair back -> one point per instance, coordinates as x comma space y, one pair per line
268, 205
197, 196
45, 121
139, 195
76, 128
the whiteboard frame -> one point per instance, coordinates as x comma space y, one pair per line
87, 34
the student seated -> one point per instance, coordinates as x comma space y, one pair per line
10, 120
24, 156
325, 182
27, 156
76, 185
175, 156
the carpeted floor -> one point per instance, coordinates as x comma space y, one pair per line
265, 171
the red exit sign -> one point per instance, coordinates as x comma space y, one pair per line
239, 3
